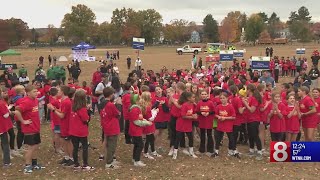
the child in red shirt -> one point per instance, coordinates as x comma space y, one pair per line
64, 113
27, 113
309, 115
110, 124
126, 96
55, 101
276, 113
78, 129
148, 131
225, 114
292, 119
161, 121
137, 122
184, 122
205, 111
5, 125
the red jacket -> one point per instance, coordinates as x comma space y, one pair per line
96, 78
78, 124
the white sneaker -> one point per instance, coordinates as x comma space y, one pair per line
156, 154
193, 155
147, 155
175, 155
209, 154
139, 164
170, 152
186, 152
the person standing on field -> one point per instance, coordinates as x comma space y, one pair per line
138, 64
128, 62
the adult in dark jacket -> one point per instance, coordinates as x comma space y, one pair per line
75, 72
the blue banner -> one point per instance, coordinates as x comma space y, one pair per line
305, 151
138, 45
226, 57
260, 65
237, 54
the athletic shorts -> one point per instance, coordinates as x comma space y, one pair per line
56, 129
32, 139
161, 125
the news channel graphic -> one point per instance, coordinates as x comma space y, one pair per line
295, 152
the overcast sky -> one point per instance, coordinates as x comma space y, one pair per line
40, 13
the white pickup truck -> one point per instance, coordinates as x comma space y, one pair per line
188, 49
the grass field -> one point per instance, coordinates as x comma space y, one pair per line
163, 168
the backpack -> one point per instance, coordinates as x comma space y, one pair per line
94, 90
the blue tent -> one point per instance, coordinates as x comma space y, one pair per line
83, 46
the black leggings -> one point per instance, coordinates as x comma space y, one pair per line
180, 138
218, 135
203, 134
126, 132
84, 142
277, 136
253, 132
243, 133
149, 141
137, 147
173, 137
20, 135
236, 131
12, 138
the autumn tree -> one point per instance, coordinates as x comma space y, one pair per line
299, 24
51, 36
231, 26
210, 29
4, 34
78, 24
18, 31
177, 30
255, 25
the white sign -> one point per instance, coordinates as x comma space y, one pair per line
260, 58
80, 55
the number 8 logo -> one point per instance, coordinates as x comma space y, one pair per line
280, 151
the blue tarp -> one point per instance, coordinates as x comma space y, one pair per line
83, 46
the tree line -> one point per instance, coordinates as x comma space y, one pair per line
80, 25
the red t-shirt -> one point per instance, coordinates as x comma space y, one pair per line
109, 120
277, 124
134, 114
254, 116
87, 90
78, 123
205, 122
126, 102
292, 123
5, 123
29, 111
311, 120
225, 111
175, 112
148, 129
56, 103
66, 108
237, 103
283, 96
161, 116
46, 90
185, 125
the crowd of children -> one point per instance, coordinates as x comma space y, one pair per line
200, 104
